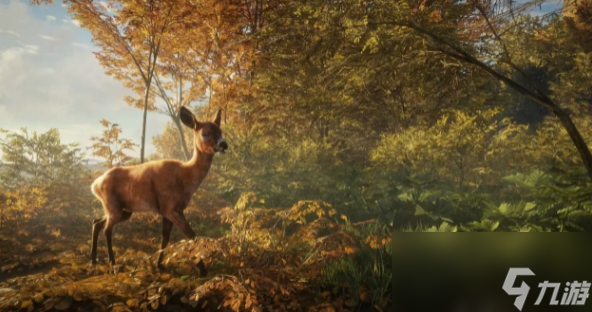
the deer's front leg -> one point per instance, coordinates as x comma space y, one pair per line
179, 220
167, 226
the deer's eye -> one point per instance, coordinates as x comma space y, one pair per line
205, 135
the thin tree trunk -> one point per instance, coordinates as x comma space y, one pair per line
152, 56
176, 118
143, 143
182, 138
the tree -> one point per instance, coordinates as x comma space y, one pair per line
530, 89
130, 35
111, 147
38, 159
39, 172
440, 37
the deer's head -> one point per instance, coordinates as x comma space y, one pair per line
208, 136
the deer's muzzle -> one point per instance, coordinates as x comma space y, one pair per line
222, 146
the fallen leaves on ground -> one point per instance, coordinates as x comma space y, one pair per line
253, 268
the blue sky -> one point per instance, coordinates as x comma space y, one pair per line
49, 77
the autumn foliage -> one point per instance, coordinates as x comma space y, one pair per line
258, 267
347, 120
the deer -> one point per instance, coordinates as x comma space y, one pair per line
164, 187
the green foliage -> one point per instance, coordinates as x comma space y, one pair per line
44, 181
443, 227
368, 272
550, 202
466, 149
38, 159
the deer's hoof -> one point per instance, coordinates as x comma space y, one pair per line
161, 267
202, 269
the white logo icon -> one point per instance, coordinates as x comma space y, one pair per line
521, 291
575, 293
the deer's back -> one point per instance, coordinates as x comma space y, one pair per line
145, 187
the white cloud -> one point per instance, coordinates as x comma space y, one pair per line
10, 32
75, 22
12, 56
82, 45
4, 114
28, 48
50, 18
50, 38
64, 5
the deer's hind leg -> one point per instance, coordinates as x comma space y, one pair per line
113, 215
98, 225
112, 220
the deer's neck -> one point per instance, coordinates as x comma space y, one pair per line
198, 167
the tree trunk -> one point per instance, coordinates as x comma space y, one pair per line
182, 138
143, 143
177, 120
577, 139
538, 96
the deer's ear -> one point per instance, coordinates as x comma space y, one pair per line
217, 118
187, 118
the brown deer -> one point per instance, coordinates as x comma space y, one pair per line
163, 186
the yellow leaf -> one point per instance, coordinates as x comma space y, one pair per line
154, 304
49, 304
165, 277
132, 303
26, 304
236, 305
63, 305
350, 250
38, 298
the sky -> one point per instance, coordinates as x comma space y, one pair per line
49, 78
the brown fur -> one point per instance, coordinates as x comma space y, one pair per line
164, 187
